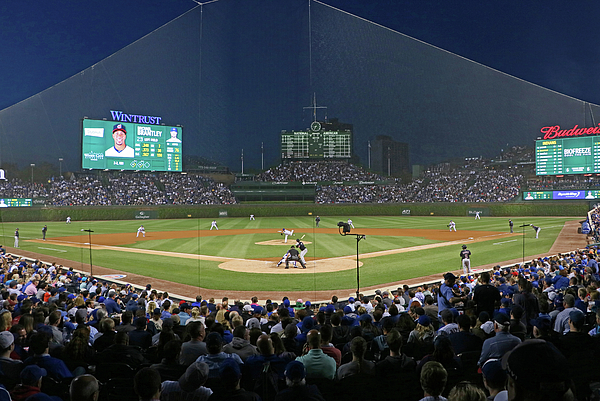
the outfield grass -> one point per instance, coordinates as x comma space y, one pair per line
207, 274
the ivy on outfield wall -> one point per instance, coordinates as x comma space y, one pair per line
390, 209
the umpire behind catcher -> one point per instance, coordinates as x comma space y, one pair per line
294, 256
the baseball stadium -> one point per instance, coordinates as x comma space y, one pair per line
141, 194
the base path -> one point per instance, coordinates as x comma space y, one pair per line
567, 240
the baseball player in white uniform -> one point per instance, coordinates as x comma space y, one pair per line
252, 217
303, 250
286, 233
350, 223
477, 217
141, 230
68, 219
452, 225
214, 225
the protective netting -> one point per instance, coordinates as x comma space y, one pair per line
236, 73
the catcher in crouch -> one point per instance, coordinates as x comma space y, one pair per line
294, 256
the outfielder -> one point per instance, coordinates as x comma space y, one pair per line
214, 225
511, 225
286, 233
252, 217
68, 219
465, 255
141, 230
477, 217
452, 225
350, 223
303, 249
536, 229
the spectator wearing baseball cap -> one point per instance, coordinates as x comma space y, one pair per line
184, 313
10, 368
446, 298
495, 347
216, 356
536, 370
297, 389
230, 376
190, 384
494, 379
31, 382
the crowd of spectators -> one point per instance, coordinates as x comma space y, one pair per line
459, 186
301, 171
15, 188
123, 189
192, 189
526, 332
547, 183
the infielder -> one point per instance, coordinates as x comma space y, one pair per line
214, 225
44, 231
350, 223
286, 233
17, 238
511, 224
465, 255
317, 220
303, 250
452, 225
536, 229
477, 217
252, 217
141, 230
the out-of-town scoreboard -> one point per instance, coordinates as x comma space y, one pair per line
316, 143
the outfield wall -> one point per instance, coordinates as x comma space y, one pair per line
80, 213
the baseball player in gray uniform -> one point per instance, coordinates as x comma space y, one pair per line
465, 255
303, 250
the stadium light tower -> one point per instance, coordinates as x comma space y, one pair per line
32, 166
369, 146
60, 160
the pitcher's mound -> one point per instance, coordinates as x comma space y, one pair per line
280, 242
270, 267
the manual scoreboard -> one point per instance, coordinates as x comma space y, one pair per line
316, 144
567, 156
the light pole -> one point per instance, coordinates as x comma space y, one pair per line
344, 229
389, 163
60, 160
369, 155
90, 242
262, 157
242, 161
32, 166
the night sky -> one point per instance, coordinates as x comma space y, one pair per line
552, 44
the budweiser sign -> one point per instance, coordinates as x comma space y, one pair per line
555, 131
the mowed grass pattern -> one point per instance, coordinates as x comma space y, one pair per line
206, 274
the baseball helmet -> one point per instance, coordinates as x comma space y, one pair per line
464, 247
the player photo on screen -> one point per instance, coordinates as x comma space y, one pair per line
119, 147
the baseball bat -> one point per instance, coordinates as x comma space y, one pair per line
303, 236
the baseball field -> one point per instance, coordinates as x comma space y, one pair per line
183, 256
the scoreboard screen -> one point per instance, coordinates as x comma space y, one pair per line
16, 202
115, 145
316, 145
567, 156
570, 194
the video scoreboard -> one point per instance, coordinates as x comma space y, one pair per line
16, 202
115, 145
567, 156
318, 144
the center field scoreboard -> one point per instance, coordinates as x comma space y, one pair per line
115, 145
316, 143
567, 156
